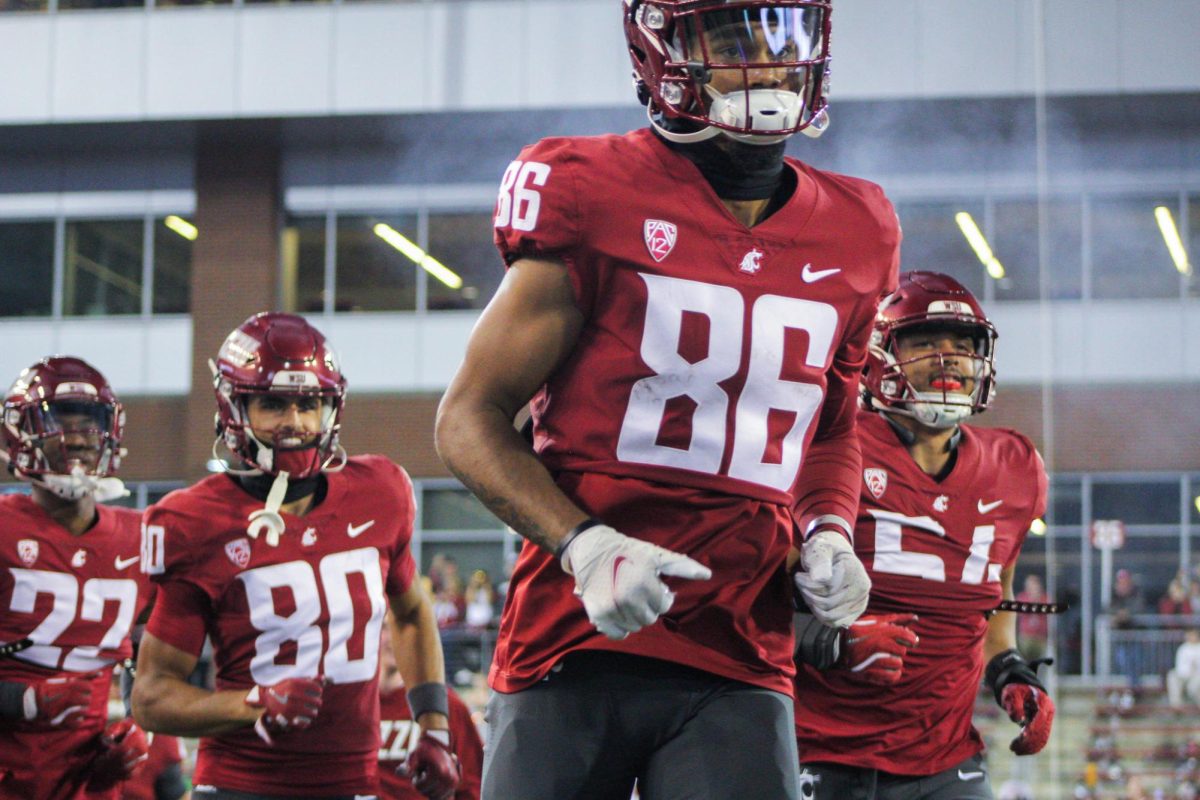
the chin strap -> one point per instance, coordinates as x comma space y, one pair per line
267, 518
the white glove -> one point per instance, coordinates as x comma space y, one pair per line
616, 576
835, 583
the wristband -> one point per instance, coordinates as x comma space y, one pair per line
590, 522
828, 522
1009, 667
427, 698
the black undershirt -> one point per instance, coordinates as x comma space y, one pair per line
739, 171
259, 486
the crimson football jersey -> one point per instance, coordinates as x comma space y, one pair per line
76, 597
398, 734
313, 605
936, 549
690, 400
164, 752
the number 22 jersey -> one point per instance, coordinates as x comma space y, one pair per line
936, 549
690, 400
76, 597
313, 605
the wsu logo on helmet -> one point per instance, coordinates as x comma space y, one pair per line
660, 237
876, 480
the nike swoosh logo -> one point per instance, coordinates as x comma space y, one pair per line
969, 776
986, 507
616, 566
122, 563
353, 531
811, 275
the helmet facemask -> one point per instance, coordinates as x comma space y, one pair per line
69, 447
961, 383
300, 454
755, 71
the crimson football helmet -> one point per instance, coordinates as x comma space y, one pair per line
929, 300
273, 353
62, 429
687, 54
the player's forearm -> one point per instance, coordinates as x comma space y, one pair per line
828, 483
167, 704
480, 446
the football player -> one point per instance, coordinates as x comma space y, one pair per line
398, 734
69, 587
288, 562
944, 510
688, 311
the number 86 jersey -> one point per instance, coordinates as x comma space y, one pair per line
710, 356
313, 605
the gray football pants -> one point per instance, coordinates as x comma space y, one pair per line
605, 720
966, 781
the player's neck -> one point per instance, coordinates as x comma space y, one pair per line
302, 495
77, 516
933, 449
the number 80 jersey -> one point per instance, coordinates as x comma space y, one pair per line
313, 605
704, 354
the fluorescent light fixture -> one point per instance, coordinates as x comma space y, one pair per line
181, 226
1038, 527
1170, 234
979, 244
1197, 503
413, 253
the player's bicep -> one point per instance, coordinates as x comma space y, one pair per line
526, 331
406, 605
158, 659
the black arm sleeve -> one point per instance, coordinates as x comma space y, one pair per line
169, 784
817, 645
12, 700
1011, 667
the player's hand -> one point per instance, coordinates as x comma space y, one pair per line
874, 645
1032, 709
834, 582
617, 577
59, 702
290, 705
123, 748
432, 766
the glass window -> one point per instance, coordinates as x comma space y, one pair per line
67, 4
463, 243
1066, 501
455, 510
933, 241
373, 273
1129, 257
1193, 244
302, 253
23, 5
1137, 503
26, 268
1015, 242
103, 267
172, 267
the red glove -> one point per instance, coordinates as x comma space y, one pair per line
432, 766
291, 704
59, 702
1032, 709
123, 748
874, 645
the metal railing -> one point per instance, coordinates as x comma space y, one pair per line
1145, 650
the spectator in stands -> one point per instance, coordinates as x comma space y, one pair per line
1127, 602
1184, 681
1033, 630
480, 600
1175, 602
